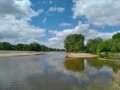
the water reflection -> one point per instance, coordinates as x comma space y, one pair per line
75, 65
97, 63
52, 71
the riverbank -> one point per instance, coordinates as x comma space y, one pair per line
110, 56
80, 55
20, 54
116, 82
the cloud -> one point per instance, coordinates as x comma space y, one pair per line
18, 30
64, 24
14, 27
53, 31
56, 9
58, 40
98, 12
18, 8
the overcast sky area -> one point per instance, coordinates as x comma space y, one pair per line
48, 22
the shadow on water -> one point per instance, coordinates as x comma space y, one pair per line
78, 65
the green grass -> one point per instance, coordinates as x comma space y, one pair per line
110, 55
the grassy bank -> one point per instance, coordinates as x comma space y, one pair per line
110, 56
116, 82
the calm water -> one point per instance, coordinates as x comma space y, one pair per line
53, 71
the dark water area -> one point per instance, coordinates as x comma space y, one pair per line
53, 71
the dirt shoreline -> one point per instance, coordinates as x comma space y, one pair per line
80, 55
20, 54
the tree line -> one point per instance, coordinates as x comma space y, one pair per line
75, 43
26, 47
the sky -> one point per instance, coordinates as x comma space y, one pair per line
48, 22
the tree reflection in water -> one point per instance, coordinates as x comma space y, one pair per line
97, 63
75, 65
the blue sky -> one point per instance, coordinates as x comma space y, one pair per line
50, 21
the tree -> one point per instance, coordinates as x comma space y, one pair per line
93, 44
110, 45
79, 46
74, 43
27, 47
5, 46
35, 46
115, 45
116, 36
103, 47
20, 47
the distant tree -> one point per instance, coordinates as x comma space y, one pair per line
44, 48
5, 46
20, 47
14, 47
35, 46
74, 43
93, 44
27, 47
116, 36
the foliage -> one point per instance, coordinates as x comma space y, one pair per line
74, 43
5, 46
93, 44
114, 45
26, 47
35, 46
110, 45
102, 47
116, 36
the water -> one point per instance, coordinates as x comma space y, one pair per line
53, 71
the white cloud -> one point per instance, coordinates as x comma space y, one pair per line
98, 12
58, 40
53, 31
64, 24
18, 30
56, 9
14, 29
18, 8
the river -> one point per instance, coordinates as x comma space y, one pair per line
53, 71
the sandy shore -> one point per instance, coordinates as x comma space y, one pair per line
20, 54
80, 55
